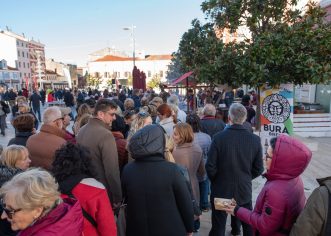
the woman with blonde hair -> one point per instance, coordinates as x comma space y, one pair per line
142, 119
188, 154
6, 173
23, 108
16, 156
83, 110
32, 204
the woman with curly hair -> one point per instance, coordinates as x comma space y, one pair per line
71, 170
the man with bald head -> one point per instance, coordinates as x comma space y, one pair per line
42, 146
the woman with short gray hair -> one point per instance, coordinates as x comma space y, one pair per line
32, 204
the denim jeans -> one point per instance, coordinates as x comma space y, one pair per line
204, 187
73, 112
37, 110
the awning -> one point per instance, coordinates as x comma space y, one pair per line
180, 79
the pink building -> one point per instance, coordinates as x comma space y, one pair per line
326, 4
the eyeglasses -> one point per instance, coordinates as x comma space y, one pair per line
9, 212
111, 113
267, 156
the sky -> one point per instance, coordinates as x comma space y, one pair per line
71, 29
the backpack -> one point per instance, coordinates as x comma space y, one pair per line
66, 188
328, 220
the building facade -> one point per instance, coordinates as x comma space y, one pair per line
37, 63
15, 50
112, 67
63, 72
9, 76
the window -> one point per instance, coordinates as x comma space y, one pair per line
20, 74
118, 74
24, 74
18, 53
17, 43
125, 74
19, 64
23, 64
29, 75
22, 54
28, 65
105, 75
74, 82
161, 73
149, 73
22, 44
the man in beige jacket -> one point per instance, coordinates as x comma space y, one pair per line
97, 137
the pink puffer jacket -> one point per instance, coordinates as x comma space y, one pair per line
282, 198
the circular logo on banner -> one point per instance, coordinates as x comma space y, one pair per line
276, 108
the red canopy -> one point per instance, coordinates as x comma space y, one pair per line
180, 79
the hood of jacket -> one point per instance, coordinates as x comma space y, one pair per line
325, 182
290, 158
148, 141
6, 173
65, 219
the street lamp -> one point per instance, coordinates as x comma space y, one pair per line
134, 42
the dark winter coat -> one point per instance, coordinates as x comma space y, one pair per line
20, 138
136, 100
6, 173
159, 202
68, 99
210, 125
234, 159
282, 198
35, 100
314, 217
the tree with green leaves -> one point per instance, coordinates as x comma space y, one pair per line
154, 82
287, 45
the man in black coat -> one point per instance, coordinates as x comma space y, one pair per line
209, 124
35, 100
157, 197
234, 159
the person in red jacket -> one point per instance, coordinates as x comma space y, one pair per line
32, 204
282, 198
71, 170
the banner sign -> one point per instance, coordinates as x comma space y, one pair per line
276, 112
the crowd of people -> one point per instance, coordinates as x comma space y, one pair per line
134, 163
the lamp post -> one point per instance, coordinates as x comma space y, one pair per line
134, 43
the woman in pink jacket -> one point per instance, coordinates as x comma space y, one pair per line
282, 197
33, 206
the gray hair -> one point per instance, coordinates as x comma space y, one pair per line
209, 110
31, 189
237, 113
173, 99
51, 114
128, 104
